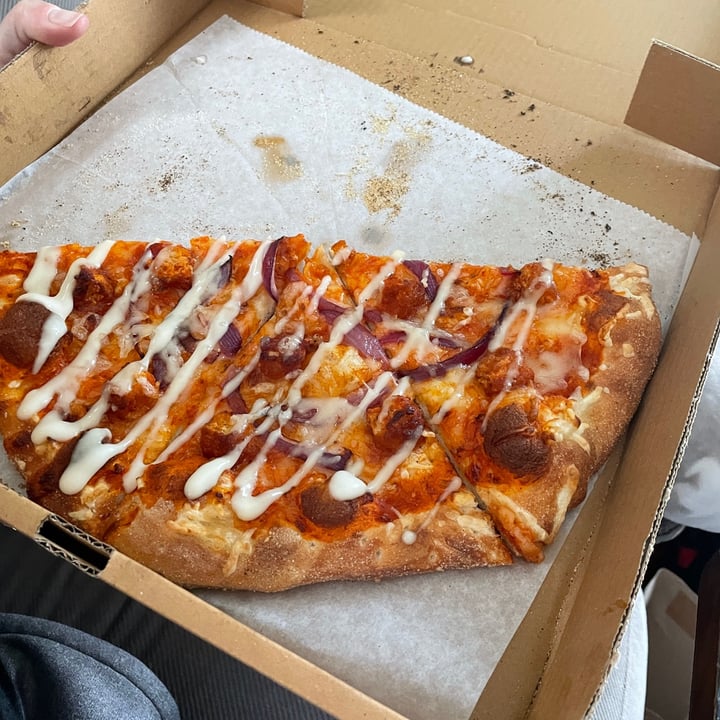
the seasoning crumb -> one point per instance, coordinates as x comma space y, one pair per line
166, 181
507, 93
464, 60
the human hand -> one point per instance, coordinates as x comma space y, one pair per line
31, 20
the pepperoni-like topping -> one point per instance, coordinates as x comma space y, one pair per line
94, 290
403, 294
324, 510
280, 356
513, 441
493, 371
173, 268
20, 332
394, 422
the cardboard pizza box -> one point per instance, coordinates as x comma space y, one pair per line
553, 82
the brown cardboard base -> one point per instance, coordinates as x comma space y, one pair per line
547, 99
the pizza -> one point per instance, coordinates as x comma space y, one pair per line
262, 415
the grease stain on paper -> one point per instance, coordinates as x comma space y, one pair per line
279, 163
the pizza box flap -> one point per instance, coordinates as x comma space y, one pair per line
676, 101
553, 83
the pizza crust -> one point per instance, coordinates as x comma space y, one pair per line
205, 548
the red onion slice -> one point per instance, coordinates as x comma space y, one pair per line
464, 357
358, 336
158, 369
421, 270
224, 272
230, 342
236, 403
268, 268
398, 336
331, 461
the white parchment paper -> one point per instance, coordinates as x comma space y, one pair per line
240, 135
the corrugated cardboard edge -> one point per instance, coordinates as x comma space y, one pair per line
677, 100
291, 7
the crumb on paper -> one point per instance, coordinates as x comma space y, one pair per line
384, 192
381, 125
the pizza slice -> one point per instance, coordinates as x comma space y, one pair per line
529, 376
246, 431
102, 351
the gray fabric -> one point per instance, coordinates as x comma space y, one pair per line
55, 672
205, 683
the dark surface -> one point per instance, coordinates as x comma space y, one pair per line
206, 683
686, 555
704, 689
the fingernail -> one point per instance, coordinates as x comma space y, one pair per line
64, 18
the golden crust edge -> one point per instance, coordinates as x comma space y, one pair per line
283, 558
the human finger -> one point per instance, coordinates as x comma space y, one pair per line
36, 20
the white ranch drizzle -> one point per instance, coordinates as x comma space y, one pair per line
248, 506
205, 477
59, 305
524, 310
418, 336
66, 383
93, 451
466, 375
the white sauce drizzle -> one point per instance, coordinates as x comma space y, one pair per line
94, 447
416, 337
410, 536
524, 310
92, 451
345, 485
59, 305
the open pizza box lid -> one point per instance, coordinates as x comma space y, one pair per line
578, 71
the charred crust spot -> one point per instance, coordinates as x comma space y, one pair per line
47, 482
609, 305
21, 441
513, 441
20, 332
323, 510
218, 437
